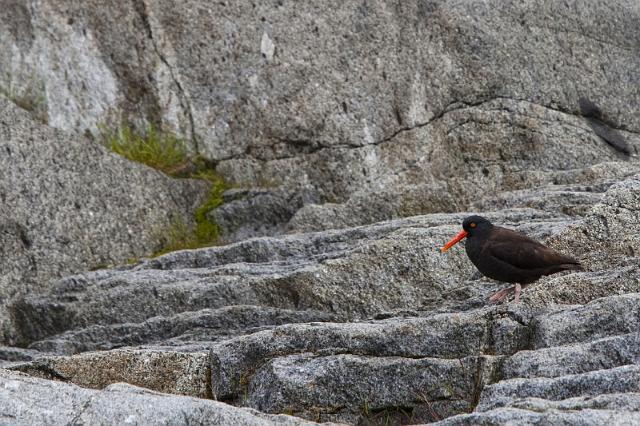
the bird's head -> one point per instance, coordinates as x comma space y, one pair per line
471, 226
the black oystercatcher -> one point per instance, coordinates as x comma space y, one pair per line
508, 256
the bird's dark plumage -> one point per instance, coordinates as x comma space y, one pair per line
509, 256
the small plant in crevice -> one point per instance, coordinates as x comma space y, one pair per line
160, 150
167, 152
180, 236
207, 230
387, 416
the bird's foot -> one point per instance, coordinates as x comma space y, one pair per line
501, 295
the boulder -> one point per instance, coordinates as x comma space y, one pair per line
68, 205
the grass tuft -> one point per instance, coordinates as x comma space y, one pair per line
167, 152
163, 151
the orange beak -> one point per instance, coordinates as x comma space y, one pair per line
455, 240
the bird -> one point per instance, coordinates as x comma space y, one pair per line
508, 256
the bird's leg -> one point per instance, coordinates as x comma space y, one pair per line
518, 288
501, 295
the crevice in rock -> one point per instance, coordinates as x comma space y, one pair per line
141, 8
41, 369
311, 147
402, 413
478, 385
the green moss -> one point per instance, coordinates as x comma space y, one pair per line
167, 152
206, 233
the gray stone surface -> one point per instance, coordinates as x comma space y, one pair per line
348, 387
467, 167
67, 205
598, 122
274, 80
31, 401
259, 212
573, 200
325, 117
615, 380
440, 336
381, 110
339, 273
513, 417
163, 371
432, 349
191, 330
609, 231
557, 361
600, 318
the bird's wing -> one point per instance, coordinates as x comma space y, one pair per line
522, 252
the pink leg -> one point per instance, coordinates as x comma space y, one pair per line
518, 288
501, 295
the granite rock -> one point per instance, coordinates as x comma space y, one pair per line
68, 205
31, 401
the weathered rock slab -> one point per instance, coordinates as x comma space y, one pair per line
625, 379
31, 401
162, 371
339, 273
513, 416
379, 111
355, 388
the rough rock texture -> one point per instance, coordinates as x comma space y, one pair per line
380, 110
164, 371
67, 205
339, 118
305, 277
217, 323
30, 401
273, 80
258, 212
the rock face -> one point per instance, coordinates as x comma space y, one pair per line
68, 205
357, 136
376, 110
